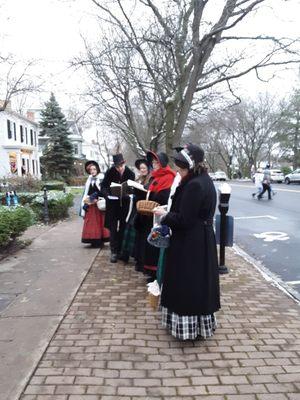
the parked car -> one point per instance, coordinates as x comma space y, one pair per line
276, 176
212, 175
220, 176
293, 177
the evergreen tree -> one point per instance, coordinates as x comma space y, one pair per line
57, 160
289, 128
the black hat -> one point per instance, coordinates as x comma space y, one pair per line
188, 156
89, 163
118, 159
141, 161
161, 157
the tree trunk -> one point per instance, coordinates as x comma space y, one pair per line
170, 110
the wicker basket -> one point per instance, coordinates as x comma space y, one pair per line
153, 301
145, 207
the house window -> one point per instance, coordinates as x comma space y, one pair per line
35, 138
31, 137
23, 168
15, 131
21, 133
27, 165
76, 149
9, 131
33, 167
26, 135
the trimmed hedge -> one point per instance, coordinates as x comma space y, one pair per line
29, 184
13, 222
54, 185
58, 205
21, 184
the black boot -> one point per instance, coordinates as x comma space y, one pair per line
139, 268
123, 257
113, 257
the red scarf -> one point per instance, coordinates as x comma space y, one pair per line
162, 179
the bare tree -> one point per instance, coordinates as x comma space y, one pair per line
104, 149
246, 132
126, 103
16, 80
184, 49
209, 133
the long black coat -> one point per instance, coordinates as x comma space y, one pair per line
115, 209
191, 280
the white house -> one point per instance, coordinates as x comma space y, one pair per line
18, 145
91, 151
76, 139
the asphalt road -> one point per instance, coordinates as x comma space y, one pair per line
267, 230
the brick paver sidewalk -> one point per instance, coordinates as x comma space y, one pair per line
110, 344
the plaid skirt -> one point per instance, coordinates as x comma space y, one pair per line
188, 327
128, 243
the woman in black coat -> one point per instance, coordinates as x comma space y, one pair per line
190, 293
116, 207
162, 177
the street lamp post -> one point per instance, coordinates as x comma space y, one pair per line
46, 210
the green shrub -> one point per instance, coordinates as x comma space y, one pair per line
58, 205
53, 185
13, 222
21, 183
26, 198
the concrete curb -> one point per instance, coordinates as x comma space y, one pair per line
267, 274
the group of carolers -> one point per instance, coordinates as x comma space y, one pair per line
190, 289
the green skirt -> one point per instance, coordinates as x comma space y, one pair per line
161, 266
128, 244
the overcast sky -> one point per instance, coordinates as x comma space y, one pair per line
50, 30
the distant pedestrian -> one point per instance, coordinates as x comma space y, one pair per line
266, 183
258, 179
190, 292
93, 228
116, 206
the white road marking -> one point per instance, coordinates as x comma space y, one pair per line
275, 188
271, 236
257, 216
293, 282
